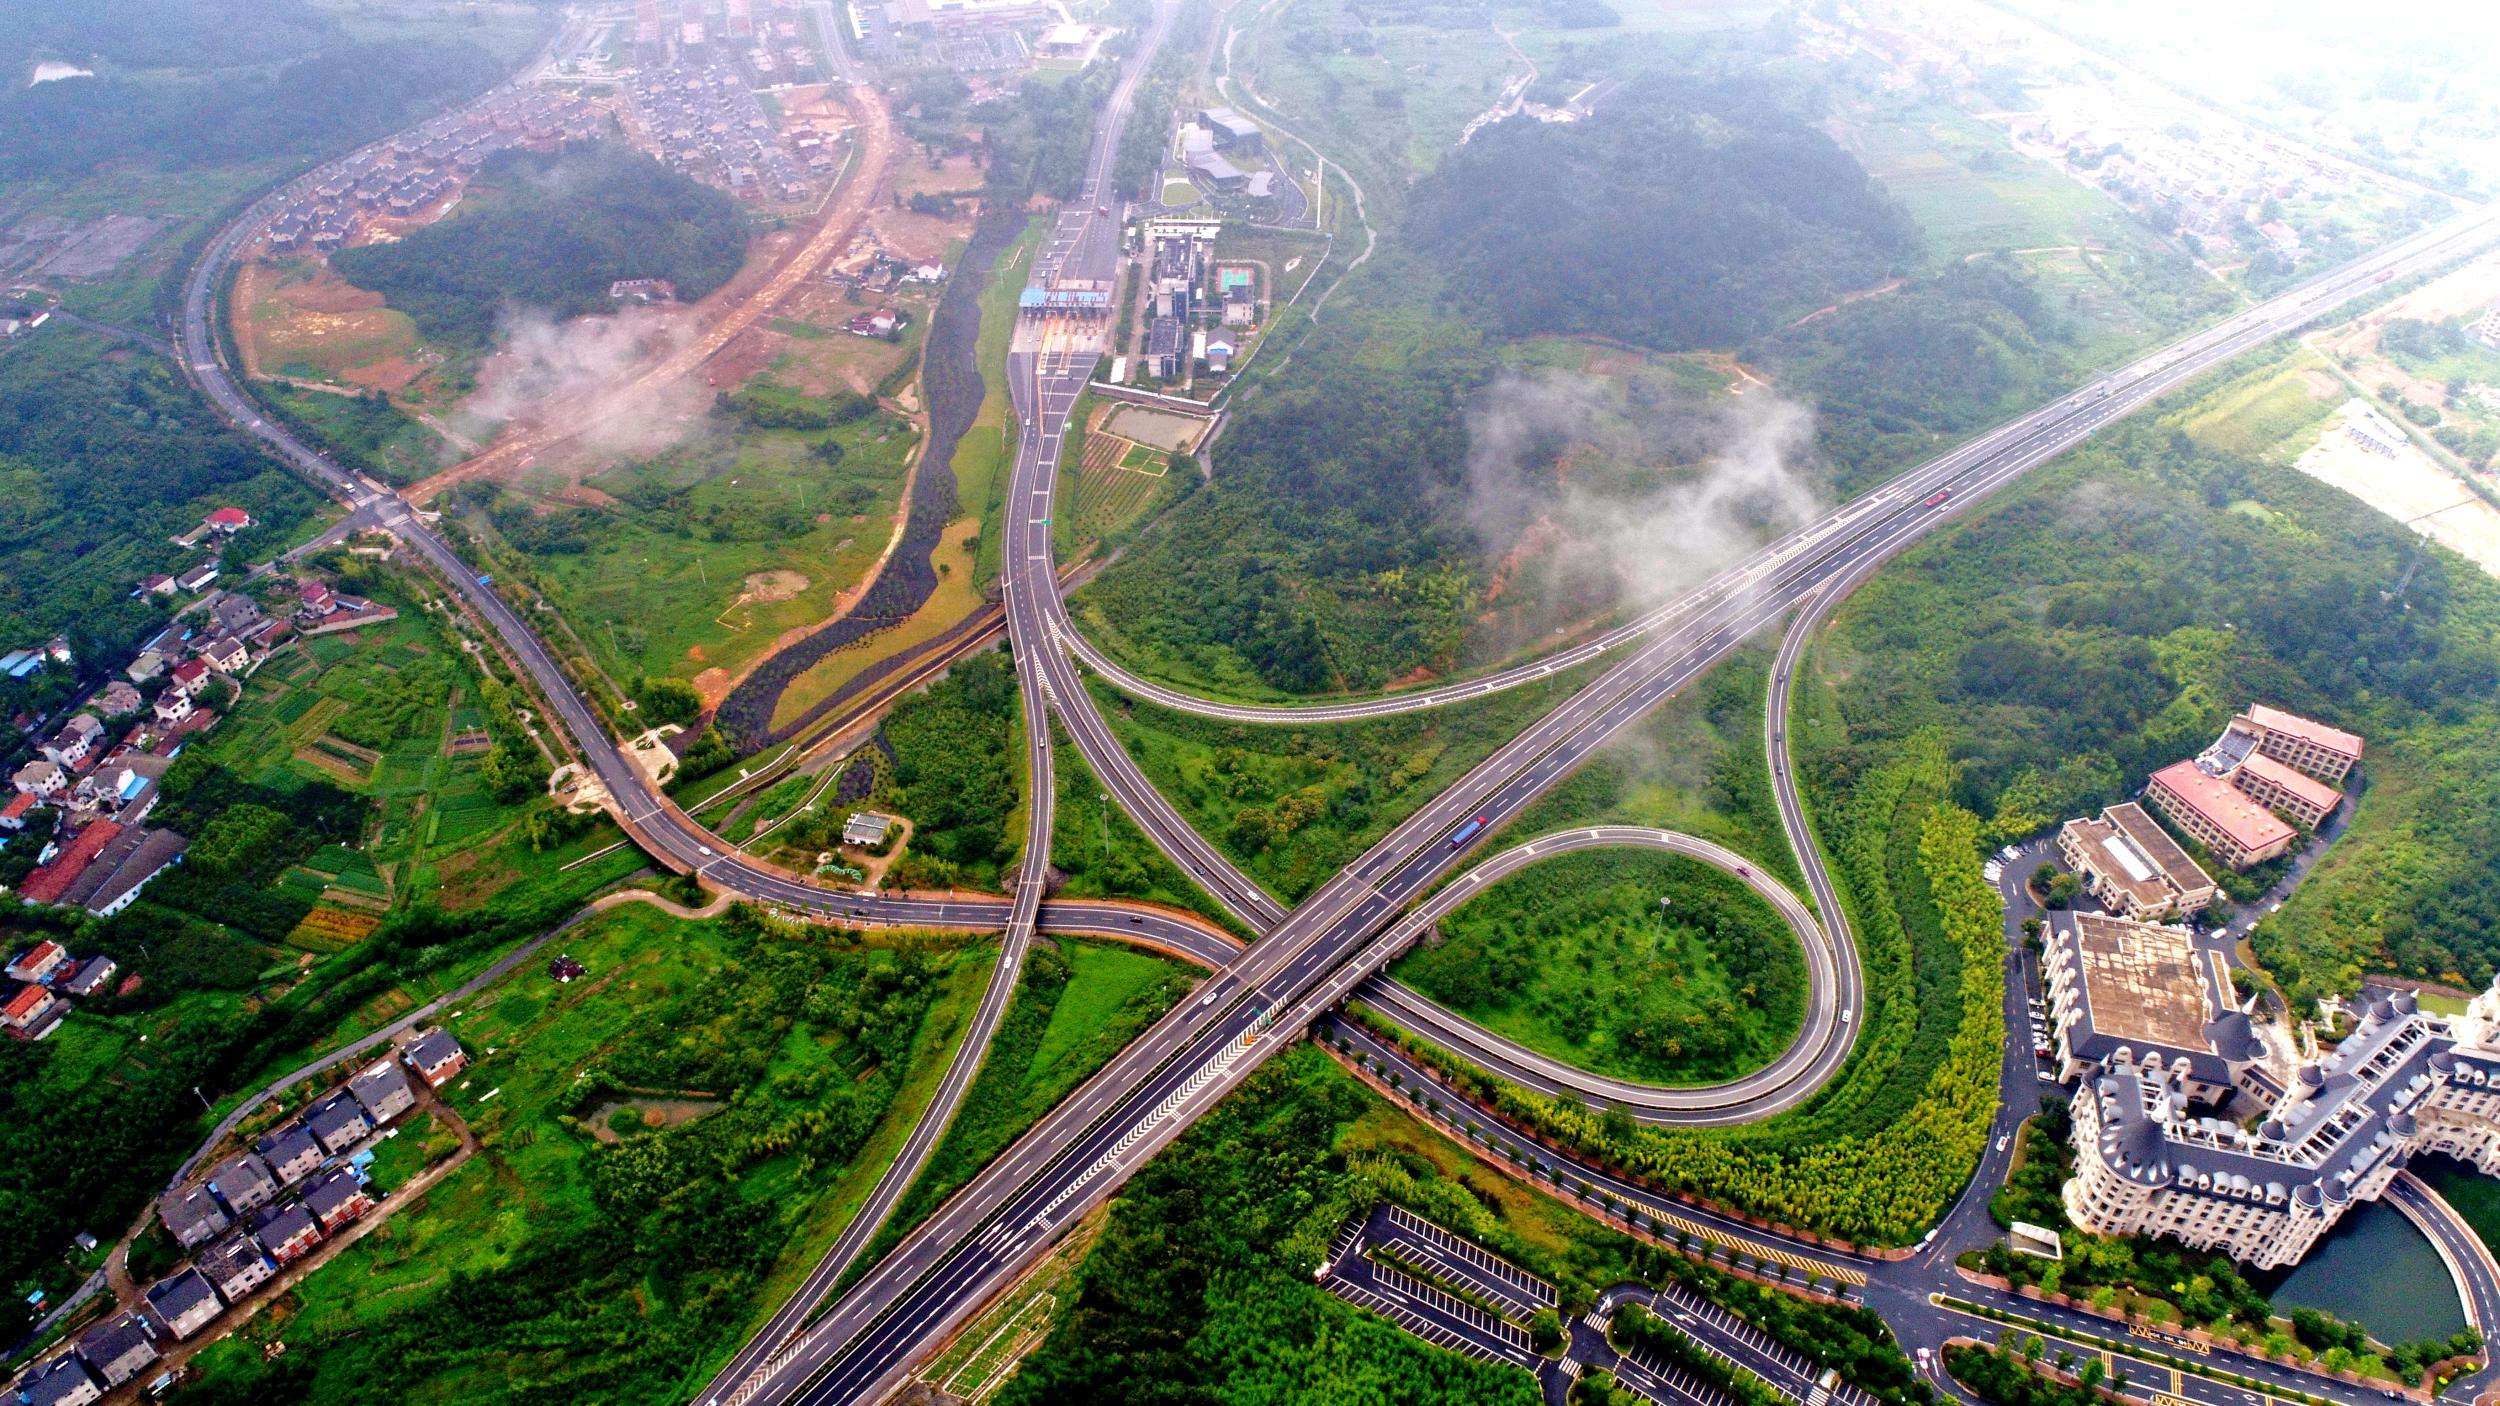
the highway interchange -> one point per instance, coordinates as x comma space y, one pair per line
1313, 958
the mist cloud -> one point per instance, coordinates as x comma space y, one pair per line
1628, 492
583, 369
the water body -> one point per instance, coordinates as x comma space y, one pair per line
53, 71
2376, 1270
951, 386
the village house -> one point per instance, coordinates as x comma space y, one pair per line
39, 962
41, 777
236, 613
436, 1057
185, 1303
93, 976
382, 1087
226, 654
32, 1013
235, 1267
50, 883
117, 699
228, 521
13, 815
172, 706
337, 1121
243, 1182
291, 1153
286, 1232
63, 1381
159, 584
189, 676
337, 1197
119, 1348
113, 882
198, 577
192, 1216
146, 668
76, 740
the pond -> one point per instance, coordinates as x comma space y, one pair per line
2377, 1270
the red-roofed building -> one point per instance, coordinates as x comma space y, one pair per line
2218, 815
188, 676
51, 880
229, 520
32, 1013
38, 961
2303, 800
2326, 753
13, 815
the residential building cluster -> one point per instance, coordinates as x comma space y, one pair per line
420, 170
44, 977
703, 120
2219, 182
2269, 776
248, 1218
98, 775
2149, 1161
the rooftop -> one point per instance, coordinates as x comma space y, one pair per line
2231, 809
2144, 981
2308, 788
2334, 739
2154, 843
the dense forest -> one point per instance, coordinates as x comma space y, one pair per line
1312, 557
2109, 622
1635, 965
549, 232
1687, 216
104, 454
1436, 485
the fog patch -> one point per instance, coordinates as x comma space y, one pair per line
584, 372
1627, 493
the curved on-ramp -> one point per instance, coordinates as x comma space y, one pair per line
1810, 1058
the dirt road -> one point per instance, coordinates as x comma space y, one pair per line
840, 225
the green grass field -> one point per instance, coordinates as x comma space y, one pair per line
1102, 852
718, 547
2266, 414
1076, 1004
1294, 805
1577, 958
669, 1005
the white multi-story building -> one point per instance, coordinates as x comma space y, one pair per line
2404, 1082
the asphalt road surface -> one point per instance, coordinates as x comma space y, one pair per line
1323, 951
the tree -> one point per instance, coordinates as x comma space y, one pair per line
1545, 1331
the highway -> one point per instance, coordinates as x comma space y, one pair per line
1314, 959
1325, 950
